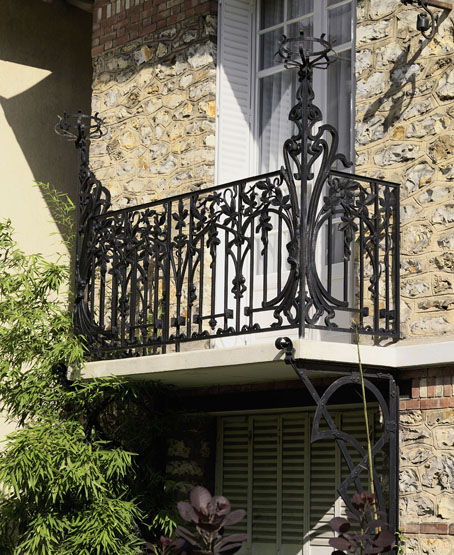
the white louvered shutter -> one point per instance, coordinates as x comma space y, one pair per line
234, 114
324, 475
267, 465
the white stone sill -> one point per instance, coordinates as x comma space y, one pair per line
262, 362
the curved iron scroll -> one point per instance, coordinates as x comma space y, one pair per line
93, 200
388, 439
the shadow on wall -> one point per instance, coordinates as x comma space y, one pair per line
401, 76
54, 38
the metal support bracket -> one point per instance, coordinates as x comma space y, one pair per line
388, 440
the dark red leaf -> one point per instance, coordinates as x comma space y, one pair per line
384, 538
221, 505
187, 512
339, 524
200, 499
342, 543
234, 517
184, 533
233, 538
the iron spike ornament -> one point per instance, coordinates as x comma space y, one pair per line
243, 257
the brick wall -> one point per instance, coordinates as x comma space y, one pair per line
116, 22
427, 461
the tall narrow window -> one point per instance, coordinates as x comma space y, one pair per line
276, 86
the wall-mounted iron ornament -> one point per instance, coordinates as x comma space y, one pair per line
426, 22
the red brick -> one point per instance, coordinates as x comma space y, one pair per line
446, 402
97, 50
402, 405
413, 404
441, 371
148, 29
411, 528
121, 40
430, 403
431, 387
451, 529
416, 373
433, 528
415, 389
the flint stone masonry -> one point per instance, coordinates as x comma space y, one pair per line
157, 96
426, 453
404, 133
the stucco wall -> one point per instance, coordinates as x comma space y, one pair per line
404, 107
45, 69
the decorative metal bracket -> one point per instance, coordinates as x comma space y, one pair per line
93, 200
389, 438
426, 21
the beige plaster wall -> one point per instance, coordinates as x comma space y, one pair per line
45, 69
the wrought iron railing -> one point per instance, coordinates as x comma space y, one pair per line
307, 246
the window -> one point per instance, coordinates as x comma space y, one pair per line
255, 91
254, 97
267, 465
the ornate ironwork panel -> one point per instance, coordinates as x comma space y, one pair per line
306, 246
384, 444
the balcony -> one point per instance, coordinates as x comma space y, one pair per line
307, 247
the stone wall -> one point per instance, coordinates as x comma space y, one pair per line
427, 462
157, 97
191, 455
404, 108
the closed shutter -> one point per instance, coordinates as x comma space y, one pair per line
234, 114
267, 465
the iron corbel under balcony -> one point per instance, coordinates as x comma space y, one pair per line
250, 256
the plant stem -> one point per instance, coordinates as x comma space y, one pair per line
366, 420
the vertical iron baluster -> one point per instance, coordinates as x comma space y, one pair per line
376, 256
225, 285
346, 272
213, 253
133, 286
144, 308
114, 305
279, 251
239, 190
166, 289
251, 271
386, 254
330, 254
157, 282
190, 278
201, 279
393, 430
102, 291
265, 246
396, 261
305, 83
361, 273
123, 281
